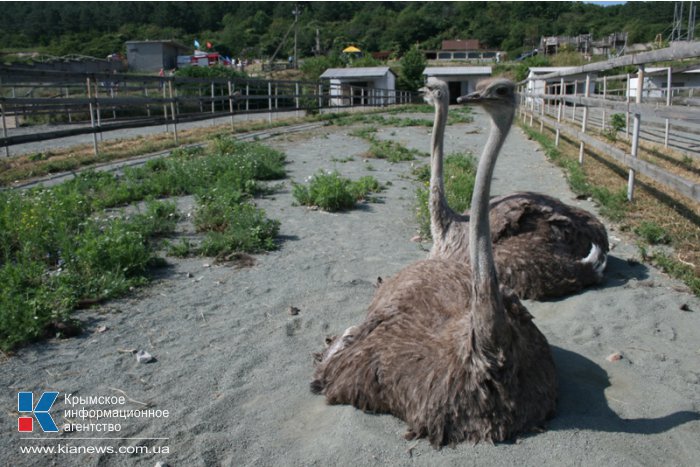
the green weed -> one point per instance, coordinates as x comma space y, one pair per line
331, 192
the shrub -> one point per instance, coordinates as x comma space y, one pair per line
652, 232
331, 192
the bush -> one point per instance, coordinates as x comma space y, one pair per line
653, 233
331, 192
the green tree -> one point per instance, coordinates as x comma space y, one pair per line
412, 66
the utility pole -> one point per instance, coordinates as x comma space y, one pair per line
296, 14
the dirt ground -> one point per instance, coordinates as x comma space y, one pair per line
232, 365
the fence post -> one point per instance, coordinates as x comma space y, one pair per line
14, 94
542, 105
92, 115
584, 123
148, 106
605, 98
247, 93
320, 97
212, 98
230, 101
560, 110
165, 104
573, 109
269, 102
98, 109
667, 129
4, 130
635, 133
296, 97
627, 112
172, 109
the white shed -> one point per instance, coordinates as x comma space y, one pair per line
656, 82
573, 84
461, 80
361, 86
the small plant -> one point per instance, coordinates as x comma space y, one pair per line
392, 151
613, 204
652, 233
678, 270
331, 192
617, 123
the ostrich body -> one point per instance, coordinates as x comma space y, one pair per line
543, 248
445, 348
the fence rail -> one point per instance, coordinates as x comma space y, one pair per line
661, 116
100, 102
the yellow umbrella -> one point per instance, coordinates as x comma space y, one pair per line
351, 50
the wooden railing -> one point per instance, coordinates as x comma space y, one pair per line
665, 117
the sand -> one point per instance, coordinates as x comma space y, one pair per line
232, 365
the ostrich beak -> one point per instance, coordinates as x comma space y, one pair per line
474, 97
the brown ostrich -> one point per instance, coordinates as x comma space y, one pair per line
543, 248
445, 348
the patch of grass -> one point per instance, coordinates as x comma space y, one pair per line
243, 228
366, 132
392, 151
331, 192
678, 270
652, 233
460, 174
58, 247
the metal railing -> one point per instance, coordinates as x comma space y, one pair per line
96, 103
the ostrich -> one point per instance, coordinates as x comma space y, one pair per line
444, 347
543, 248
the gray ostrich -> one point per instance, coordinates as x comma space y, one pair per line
444, 347
543, 248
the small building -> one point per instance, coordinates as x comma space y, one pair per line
361, 86
573, 84
460, 80
463, 49
656, 82
153, 55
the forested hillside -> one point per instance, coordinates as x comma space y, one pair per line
255, 29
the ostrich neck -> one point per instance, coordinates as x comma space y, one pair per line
487, 306
440, 212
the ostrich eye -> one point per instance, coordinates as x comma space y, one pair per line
501, 91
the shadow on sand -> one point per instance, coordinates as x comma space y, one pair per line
582, 403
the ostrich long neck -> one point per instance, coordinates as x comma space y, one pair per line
440, 213
487, 306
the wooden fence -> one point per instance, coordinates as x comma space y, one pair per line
95, 103
667, 117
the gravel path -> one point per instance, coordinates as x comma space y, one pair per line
232, 364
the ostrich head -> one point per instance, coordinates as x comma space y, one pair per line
434, 91
496, 96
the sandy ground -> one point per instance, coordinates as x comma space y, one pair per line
232, 365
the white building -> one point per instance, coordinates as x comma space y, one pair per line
573, 84
656, 82
461, 80
361, 86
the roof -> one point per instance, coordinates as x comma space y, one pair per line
457, 70
167, 42
461, 44
351, 49
549, 69
360, 72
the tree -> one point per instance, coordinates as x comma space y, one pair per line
412, 66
